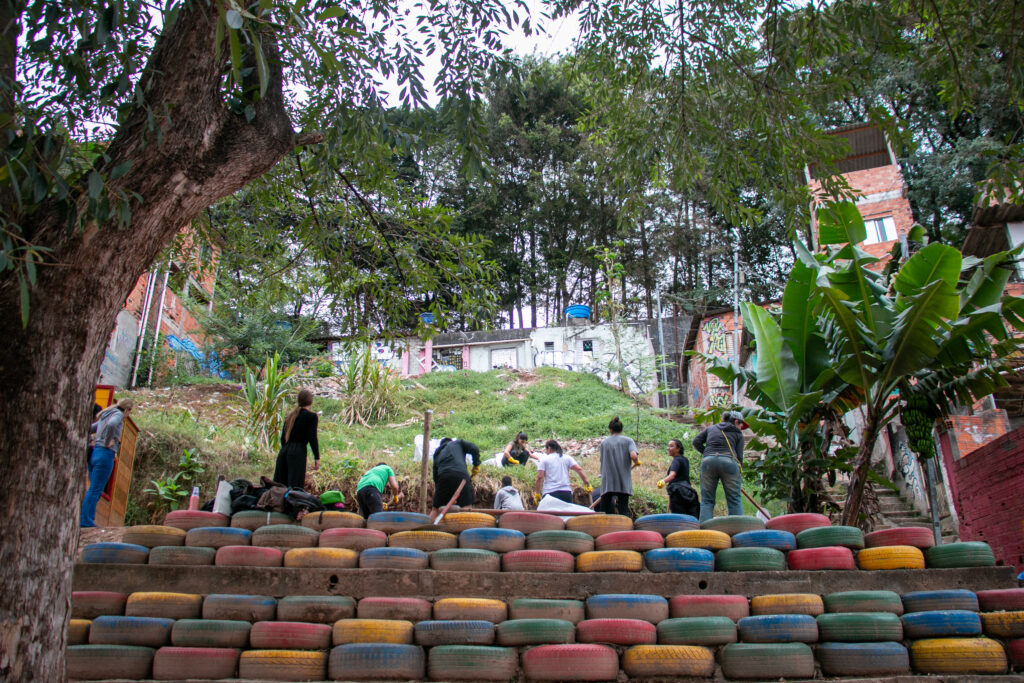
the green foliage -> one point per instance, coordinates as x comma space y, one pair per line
167, 495
190, 467
265, 393
369, 389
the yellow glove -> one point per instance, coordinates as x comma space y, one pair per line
513, 460
536, 498
476, 471
385, 505
638, 463
588, 488
661, 483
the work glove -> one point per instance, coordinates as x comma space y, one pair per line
385, 505
476, 470
638, 463
513, 460
536, 498
661, 483
588, 488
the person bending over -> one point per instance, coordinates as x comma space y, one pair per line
450, 470
553, 474
371, 486
508, 497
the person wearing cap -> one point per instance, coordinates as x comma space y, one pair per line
721, 449
371, 487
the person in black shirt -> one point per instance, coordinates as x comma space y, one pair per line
299, 430
682, 499
450, 470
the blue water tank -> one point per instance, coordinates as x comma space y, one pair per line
577, 311
427, 318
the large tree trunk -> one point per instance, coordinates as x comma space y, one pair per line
48, 369
859, 474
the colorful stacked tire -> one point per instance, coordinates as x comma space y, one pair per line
765, 538
372, 631
519, 632
930, 601
164, 605
210, 633
610, 561
465, 560
699, 538
638, 541
916, 536
323, 558
580, 662
820, 559
666, 523
829, 536
956, 555
393, 521
677, 661
179, 663
99, 662
472, 663
539, 608
1005, 625
92, 604
778, 628
958, 656
859, 627
177, 555
285, 536
797, 522
153, 535
217, 536
248, 556
454, 632
575, 542
78, 631
353, 539
546, 561
890, 557
652, 608
1015, 653
810, 604
750, 559
144, 631
863, 659
529, 522
412, 609
393, 558
368, 661
735, 607
599, 525
941, 624
254, 519
333, 519
1010, 599
766, 661
115, 553
289, 635
316, 609
427, 541
679, 560
457, 522
709, 631
732, 524
226, 606
494, 539
486, 609
864, 601
193, 519
283, 665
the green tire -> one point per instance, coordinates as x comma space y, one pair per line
465, 560
697, 631
315, 609
864, 601
574, 542
826, 536
517, 632
733, 524
965, 554
181, 555
210, 633
766, 661
750, 560
472, 663
538, 608
859, 627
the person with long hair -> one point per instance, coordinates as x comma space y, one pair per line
682, 499
107, 427
553, 474
298, 432
619, 456
517, 452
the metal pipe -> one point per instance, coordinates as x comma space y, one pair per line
936, 524
735, 309
159, 319
664, 356
147, 299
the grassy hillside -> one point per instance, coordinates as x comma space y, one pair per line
486, 408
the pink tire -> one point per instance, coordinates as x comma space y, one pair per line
828, 557
178, 663
1015, 653
797, 522
1002, 599
916, 536
528, 522
248, 556
733, 606
538, 561
617, 631
408, 609
193, 519
579, 662
92, 604
353, 539
639, 541
289, 635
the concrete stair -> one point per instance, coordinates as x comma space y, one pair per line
896, 511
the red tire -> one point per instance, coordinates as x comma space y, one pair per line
571, 663
248, 556
178, 663
1002, 599
353, 539
797, 522
193, 519
546, 561
1015, 653
828, 557
640, 541
617, 631
289, 635
916, 536
733, 606
528, 522
92, 604
408, 609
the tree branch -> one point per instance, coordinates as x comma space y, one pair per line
375, 220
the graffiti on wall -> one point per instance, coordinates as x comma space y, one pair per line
906, 466
716, 344
209, 363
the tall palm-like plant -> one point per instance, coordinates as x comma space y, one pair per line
265, 398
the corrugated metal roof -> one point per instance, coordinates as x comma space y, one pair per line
868, 149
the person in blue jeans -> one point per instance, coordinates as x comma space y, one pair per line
721, 448
108, 426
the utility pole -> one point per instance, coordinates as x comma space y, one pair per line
736, 334
661, 347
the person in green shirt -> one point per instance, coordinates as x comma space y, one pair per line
371, 486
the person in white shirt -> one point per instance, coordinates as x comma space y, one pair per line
508, 497
553, 474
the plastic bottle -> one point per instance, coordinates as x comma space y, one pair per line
193, 500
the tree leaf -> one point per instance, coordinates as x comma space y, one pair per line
840, 223
777, 372
233, 18
95, 184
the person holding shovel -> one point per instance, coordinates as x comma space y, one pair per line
370, 489
450, 471
721, 448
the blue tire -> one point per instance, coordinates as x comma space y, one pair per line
454, 632
666, 523
778, 628
765, 538
652, 608
358, 661
680, 560
494, 539
115, 553
930, 601
217, 536
393, 521
142, 631
941, 624
393, 558
863, 659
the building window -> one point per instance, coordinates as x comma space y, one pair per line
880, 230
504, 358
448, 358
549, 346
587, 356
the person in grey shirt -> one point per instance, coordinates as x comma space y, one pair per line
508, 497
619, 456
108, 427
721, 449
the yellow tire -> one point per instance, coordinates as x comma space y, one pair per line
484, 609
164, 605
957, 656
890, 557
457, 522
427, 541
1003, 624
610, 561
153, 535
597, 525
677, 661
373, 631
78, 631
787, 603
283, 665
699, 538
326, 558
333, 519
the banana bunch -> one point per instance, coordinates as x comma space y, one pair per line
915, 414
